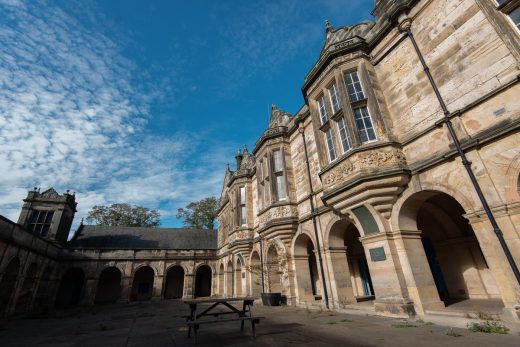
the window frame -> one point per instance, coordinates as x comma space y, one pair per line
358, 82
507, 7
38, 227
242, 206
363, 118
279, 174
334, 87
347, 135
328, 143
322, 109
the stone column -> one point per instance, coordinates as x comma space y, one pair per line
303, 278
340, 292
157, 288
497, 261
387, 278
189, 285
416, 271
89, 291
126, 289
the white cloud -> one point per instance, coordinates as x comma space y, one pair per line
73, 117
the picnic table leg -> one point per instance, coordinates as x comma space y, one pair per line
193, 309
195, 328
253, 328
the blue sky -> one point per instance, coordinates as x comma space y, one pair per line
144, 102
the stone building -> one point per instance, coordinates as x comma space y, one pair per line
40, 269
365, 194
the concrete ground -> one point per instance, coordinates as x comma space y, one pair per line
161, 324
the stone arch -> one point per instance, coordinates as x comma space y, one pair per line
452, 251
462, 199
142, 284
229, 278
512, 188
203, 277
174, 282
8, 283
71, 286
255, 273
140, 266
109, 286
367, 222
26, 291
306, 269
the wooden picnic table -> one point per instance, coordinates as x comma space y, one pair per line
201, 309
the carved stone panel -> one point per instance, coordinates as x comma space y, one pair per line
370, 161
277, 212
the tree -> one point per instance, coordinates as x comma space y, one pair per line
200, 214
124, 215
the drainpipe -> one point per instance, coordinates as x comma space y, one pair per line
262, 263
405, 26
301, 130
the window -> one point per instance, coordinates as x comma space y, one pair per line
242, 211
278, 173
330, 144
323, 110
355, 91
346, 142
334, 98
511, 8
40, 222
364, 125
263, 183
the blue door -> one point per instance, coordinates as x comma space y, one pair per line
366, 281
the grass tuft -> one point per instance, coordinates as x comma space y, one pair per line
451, 332
404, 324
488, 327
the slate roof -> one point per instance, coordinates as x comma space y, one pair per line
104, 237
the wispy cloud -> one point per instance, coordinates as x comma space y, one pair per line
73, 114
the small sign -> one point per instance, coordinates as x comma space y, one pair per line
243, 275
377, 254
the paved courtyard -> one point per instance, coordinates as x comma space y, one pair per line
162, 324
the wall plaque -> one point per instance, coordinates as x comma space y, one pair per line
377, 254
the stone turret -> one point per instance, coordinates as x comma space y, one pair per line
48, 214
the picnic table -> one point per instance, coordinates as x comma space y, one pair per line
201, 309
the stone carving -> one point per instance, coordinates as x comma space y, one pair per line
277, 212
363, 161
50, 193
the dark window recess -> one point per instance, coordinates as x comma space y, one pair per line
40, 222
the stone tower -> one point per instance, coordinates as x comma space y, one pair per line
48, 214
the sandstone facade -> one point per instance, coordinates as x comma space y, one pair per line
376, 202
361, 195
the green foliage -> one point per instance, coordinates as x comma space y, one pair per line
488, 327
405, 324
200, 214
451, 332
124, 215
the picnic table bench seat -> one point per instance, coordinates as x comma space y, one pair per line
253, 319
